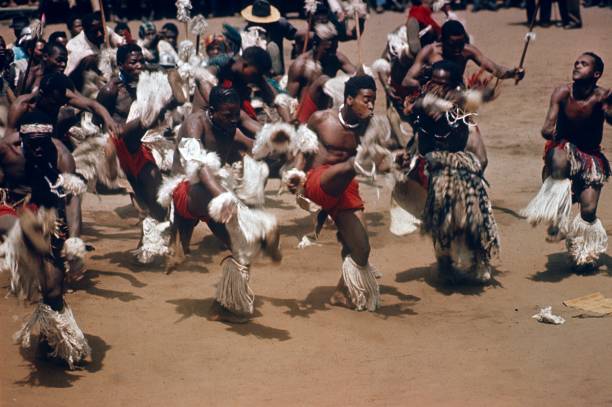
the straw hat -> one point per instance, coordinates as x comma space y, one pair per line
261, 12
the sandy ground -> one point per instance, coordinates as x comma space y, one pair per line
429, 344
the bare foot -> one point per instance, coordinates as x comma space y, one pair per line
340, 299
221, 314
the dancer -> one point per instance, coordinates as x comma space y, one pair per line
575, 168
457, 212
455, 47
330, 182
224, 188
37, 259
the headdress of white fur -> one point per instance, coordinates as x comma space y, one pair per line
325, 31
153, 93
305, 142
273, 138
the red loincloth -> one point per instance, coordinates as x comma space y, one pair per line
132, 164
306, 108
180, 197
349, 199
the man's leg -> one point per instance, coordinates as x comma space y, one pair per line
357, 287
475, 144
148, 183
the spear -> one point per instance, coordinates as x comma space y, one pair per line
103, 18
528, 37
310, 6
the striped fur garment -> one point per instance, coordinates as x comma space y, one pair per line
457, 203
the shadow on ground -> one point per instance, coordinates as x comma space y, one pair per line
429, 275
47, 373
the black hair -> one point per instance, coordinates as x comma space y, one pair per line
121, 26
453, 28
356, 83
125, 50
90, 18
599, 63
72, 18
258, 58
220, 95
452, 68
55, 35
416, 2
55, 82
171, 27
48, 49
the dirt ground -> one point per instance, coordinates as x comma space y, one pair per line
429, 344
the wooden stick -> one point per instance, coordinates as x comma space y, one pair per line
358, 29
307, 35
528, 38
103, 22
198, 44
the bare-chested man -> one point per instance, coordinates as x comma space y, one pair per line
309, 72
217, 130
330, 182
208, 141
456, 48
238, 72
135, 158
575, 167
60, 335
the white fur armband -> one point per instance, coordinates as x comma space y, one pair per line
284, 100
223, 207
381, 66
74, 247
273, 138
433, 104
291, 176
73, 185
306, 141
194, 157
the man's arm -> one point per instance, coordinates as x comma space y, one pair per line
192, 127
607, 106
488, 65
16, 110
410, 80
244, 141
346, 65
79, 101
293, 78
549, 129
